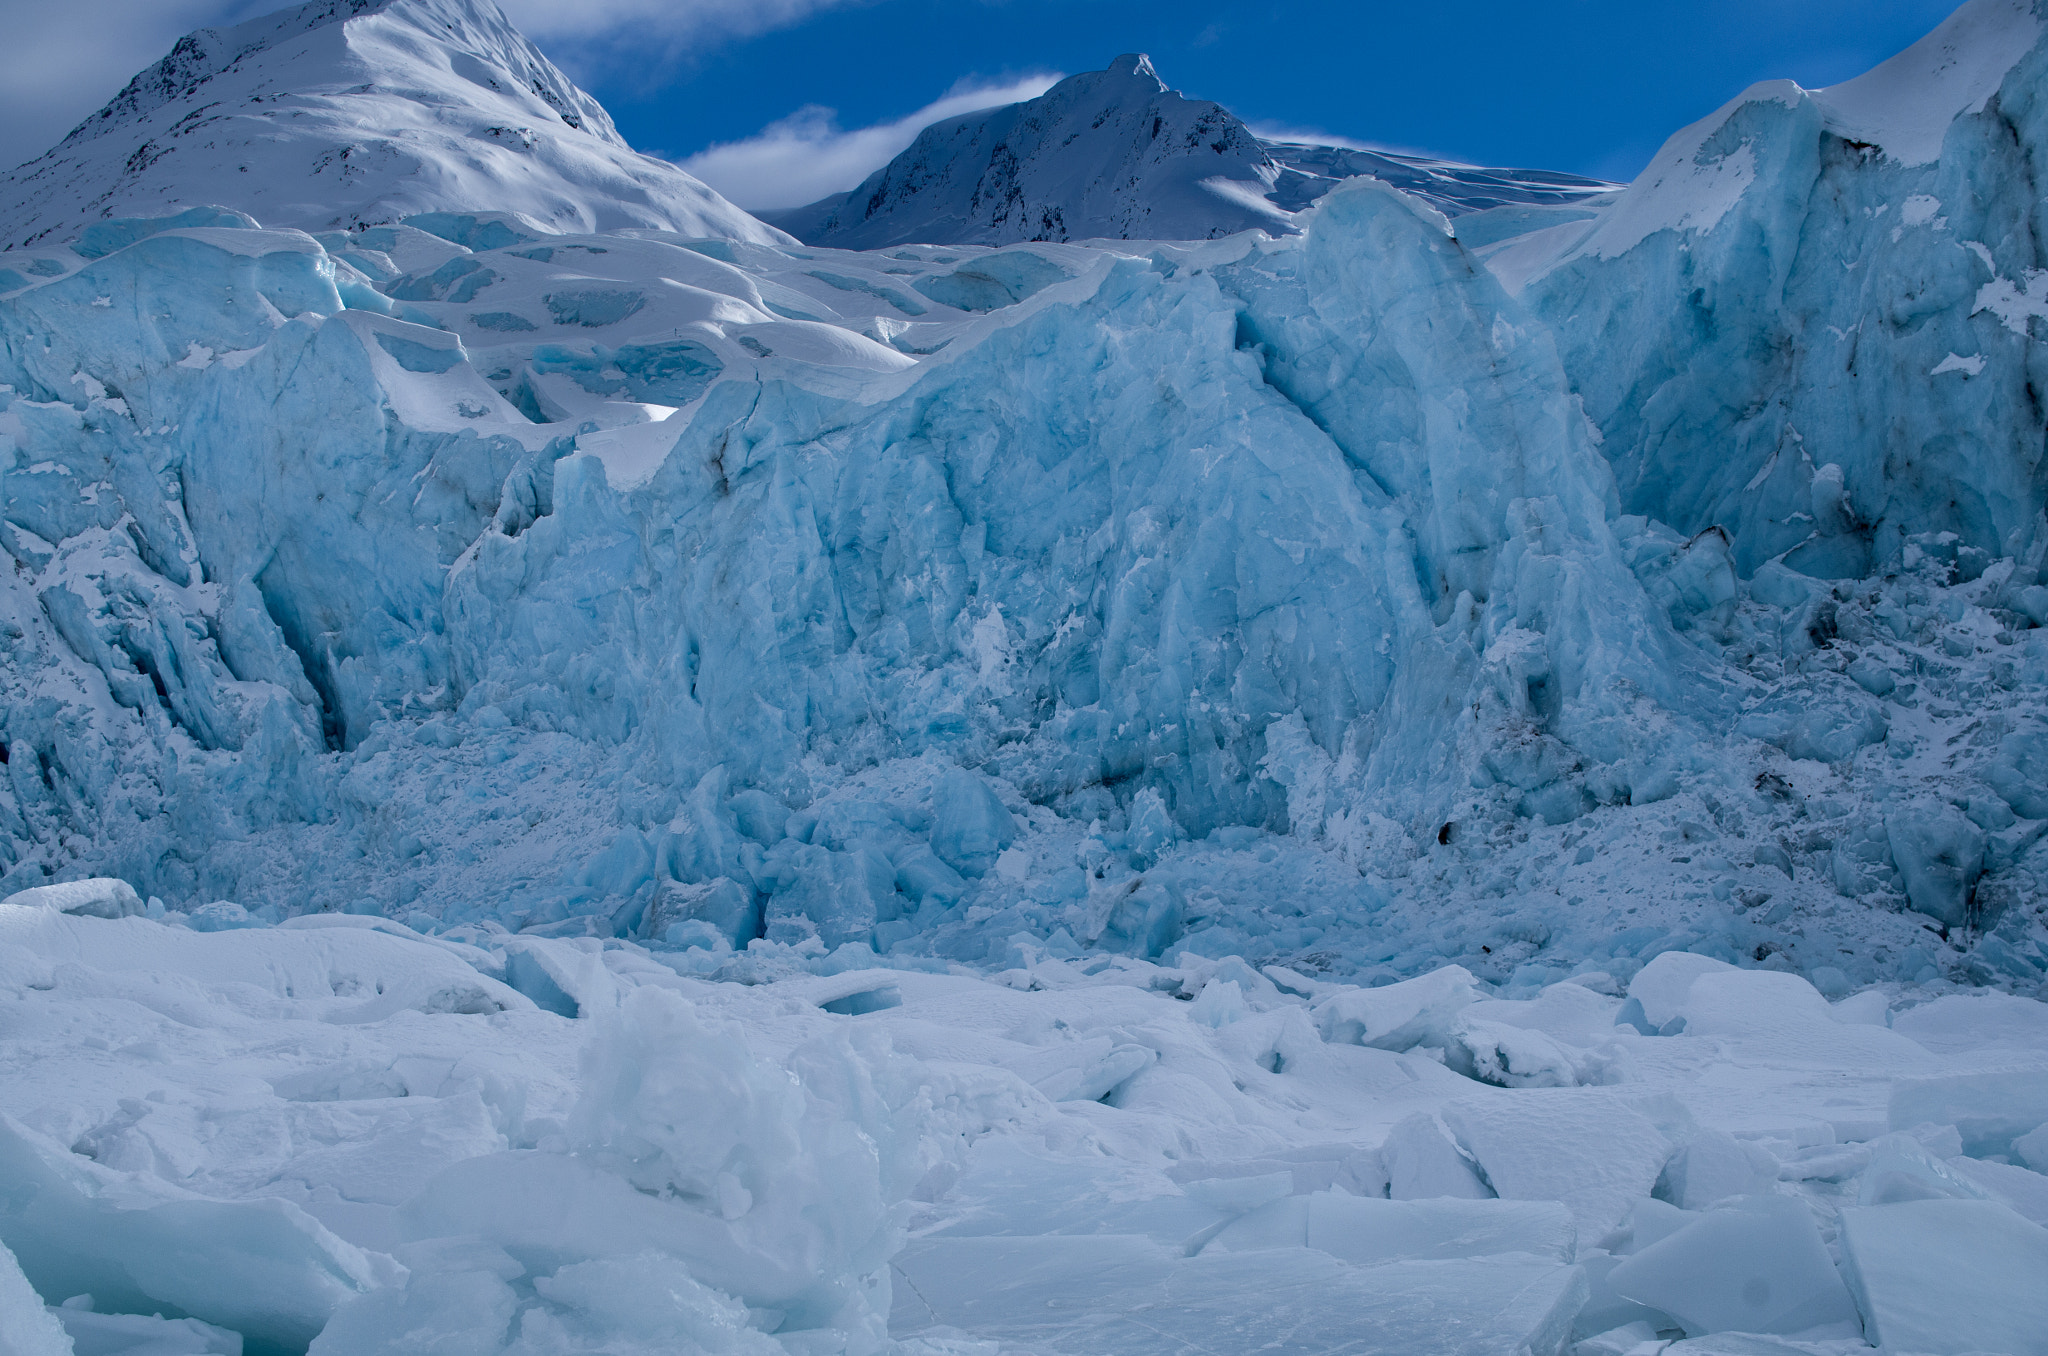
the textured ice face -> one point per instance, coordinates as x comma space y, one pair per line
1809, 321
1111, 538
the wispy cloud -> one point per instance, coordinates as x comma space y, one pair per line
806, 155
1275, 131
575, 19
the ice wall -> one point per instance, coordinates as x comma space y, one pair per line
1810, 321
1274, 598
1097, 552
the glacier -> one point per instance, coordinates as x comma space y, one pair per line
604, 780
794, 589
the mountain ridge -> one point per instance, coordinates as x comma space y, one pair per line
354, 112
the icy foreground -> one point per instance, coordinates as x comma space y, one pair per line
1423, 784
340, 1133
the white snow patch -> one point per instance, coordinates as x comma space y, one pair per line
2015, 303
631, 454
1919, 209
1680, 191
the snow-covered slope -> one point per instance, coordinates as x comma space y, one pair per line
349, 112
1115, 154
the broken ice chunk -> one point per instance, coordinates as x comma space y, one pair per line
2024, 1191
1513, 1057
264, 1267
1583, 1146
99, 897
1756, 1264
26, 1328
1605, 1310
1990, 1109
970, 827
1901, 1169
1660, 989
1715, 1166
1423, 1162
1653, 1221
2032, 1148
1948, 1277
1399, 1016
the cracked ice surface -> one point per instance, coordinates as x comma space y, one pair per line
341, 1133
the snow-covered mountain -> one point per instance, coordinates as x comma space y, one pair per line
341, 113
1116, 155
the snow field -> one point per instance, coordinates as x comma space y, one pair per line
342, 1135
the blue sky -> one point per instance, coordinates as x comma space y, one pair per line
1591, 86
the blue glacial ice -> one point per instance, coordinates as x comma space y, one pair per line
1120, 559
1358, 600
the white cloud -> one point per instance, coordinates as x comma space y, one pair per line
806, 155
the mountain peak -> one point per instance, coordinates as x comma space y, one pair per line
1115, 153
340, 113
1104, 154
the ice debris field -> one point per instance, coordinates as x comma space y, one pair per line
595, 777
343, 1133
